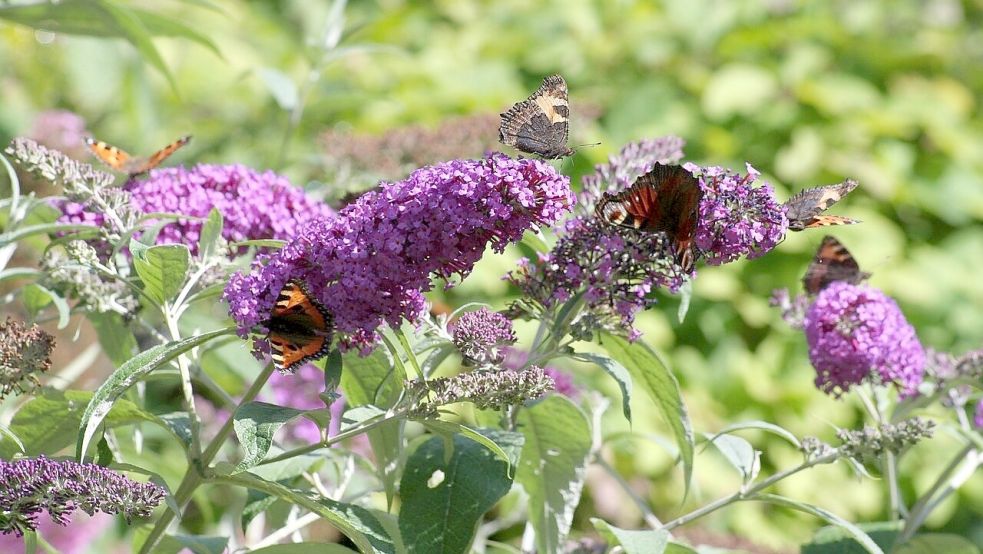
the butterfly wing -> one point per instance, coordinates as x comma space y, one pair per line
833, 262
108, 154
300, 328
803, 209
539, 125
666, 199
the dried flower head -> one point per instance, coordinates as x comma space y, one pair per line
373, 262
481, 334
870, 443
488, 390
35, 485
856, 332
71, 272
814, 449
25, 352
77, 178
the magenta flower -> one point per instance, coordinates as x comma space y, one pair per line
978, 416
856, 332
480, 334
77, 537
373, 262
60, 130
736, 218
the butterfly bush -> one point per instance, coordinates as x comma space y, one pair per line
373, 262
35, 485
25, 352
253, 204
480, 334
736, 218
856, 333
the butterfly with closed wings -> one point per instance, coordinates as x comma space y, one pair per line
805, 209
666, 200
123, 162
300, 329
833, 262
540, 124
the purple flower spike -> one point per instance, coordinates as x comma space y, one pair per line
978, 416
480, 334
857, 332
736, 218
373, 262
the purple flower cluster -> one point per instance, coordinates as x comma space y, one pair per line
373, 262
856, 332
978, 416
516, 360
736, 218
34, 485
61, 130
615, 268
480, 334
254, 205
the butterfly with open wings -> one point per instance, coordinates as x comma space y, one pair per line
123, 162
833, 262
666, 200
805, 209
300, 329
539, 125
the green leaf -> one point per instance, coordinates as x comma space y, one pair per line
836, 540
357, 523
304, 548
617, 372
255, 424
632, 541
8, 435
552, 467
127, 375
931, 543
211, 230
443, 500
648, 369
20, 273
14, 185
855, 532
263, 243
763, 426
739, 453
198, 544
281, 86
64, 312
163, 269
41, 229
134, 31
115, 337
450, 428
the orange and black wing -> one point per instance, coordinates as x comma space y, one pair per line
833, 262
300, 328
108, 154
120, 160
803, 210
159, 156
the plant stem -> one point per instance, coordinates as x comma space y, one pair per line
192, 477
921, 509
187, 391
358, 429
749, 493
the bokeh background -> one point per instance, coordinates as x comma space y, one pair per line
887, 92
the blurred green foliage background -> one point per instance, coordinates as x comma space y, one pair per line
887, 92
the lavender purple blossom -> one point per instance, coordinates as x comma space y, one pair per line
35, 485
856, 332
373, 262
480, 334
978, 415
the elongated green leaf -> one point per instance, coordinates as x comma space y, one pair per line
198, 544
19, 273
211, 230
127, 375
40, 229
450, 428
264, 243
554, 461
931, 543
648, 370
303, 548
115, 337
357, 523
836, 540
685, 295
762, 425
281, 86
255, 424
739, 453
443, 500
138, 35
855, 532
37, 297
163, 269
6, 435
632, 541
617, 372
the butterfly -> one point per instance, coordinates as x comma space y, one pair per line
805, 208
300, 329
121, 161
539, 124
833, 262
666, 199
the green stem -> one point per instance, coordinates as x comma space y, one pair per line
187, 391
410, 355
192, 477
921, 509
357, 429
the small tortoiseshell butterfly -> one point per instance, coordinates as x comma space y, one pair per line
121, 161
300, 329
539, 125
833, 262
803, 209
666, 199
